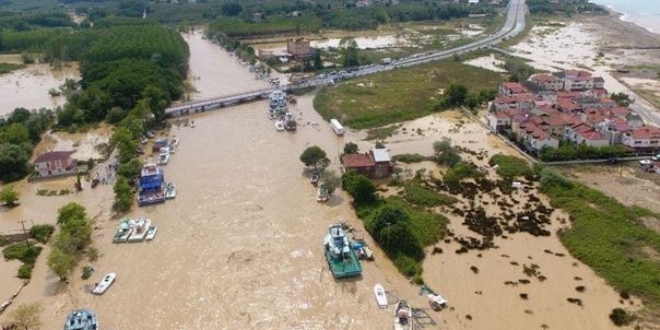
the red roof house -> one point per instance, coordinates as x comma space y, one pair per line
55, 163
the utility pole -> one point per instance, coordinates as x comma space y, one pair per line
27, 243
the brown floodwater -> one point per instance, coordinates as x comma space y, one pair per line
241, 245
28, 87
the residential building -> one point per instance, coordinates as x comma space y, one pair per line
55, 163
647, 137
376, 163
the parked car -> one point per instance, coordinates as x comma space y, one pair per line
645, 162
656, 157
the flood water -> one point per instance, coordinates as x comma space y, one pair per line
28, 87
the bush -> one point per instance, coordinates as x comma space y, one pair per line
22, 252
410, 158
42, 232
360, 188
25, 271
462, 171
3, 240
87, 272
620, 317
407, 266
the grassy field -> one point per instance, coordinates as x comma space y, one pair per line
398, 95
609, 237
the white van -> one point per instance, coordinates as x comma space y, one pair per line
337, 127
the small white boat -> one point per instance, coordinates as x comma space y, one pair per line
163, 159
103, 286
140, 227
403, 317
174, 142
436, 301
170, 191
314, 179
151, 233
322, 194
381, 296
279, 125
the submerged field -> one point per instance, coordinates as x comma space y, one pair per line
399, 95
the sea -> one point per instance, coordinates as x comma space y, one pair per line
645, 13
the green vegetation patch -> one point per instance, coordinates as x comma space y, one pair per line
607, 236
416, 194
22, 252
398, 95
9, 67
510, 166
381, 133
42, 232
411, 158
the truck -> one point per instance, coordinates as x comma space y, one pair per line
337, 127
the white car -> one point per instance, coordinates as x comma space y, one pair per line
645, 162
103, 286
656, 157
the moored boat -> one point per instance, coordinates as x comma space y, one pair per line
322, 194
140, 228
81, 319
279, 125
151, 233
340, 256
103, 286
170, 190
381, 295
123, 232
403, 317
152, 179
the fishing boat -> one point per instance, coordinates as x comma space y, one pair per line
170, 190
81, 319
403, 317
314, 179
381, 296
140, 228
341, 258
103, 286
123, 232
151, 233
174, 142
290, 122
279, 125
277, 99
163, 158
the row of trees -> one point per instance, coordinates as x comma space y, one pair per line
569, 151
74, 236
457, 95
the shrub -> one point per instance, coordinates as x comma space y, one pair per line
42, 232
87, 272
92, 254
407, 266
410, 158
462, 171
620, 317
22, 252
360, 188
25, 271
3, 240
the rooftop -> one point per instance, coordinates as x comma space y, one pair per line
357, 160
53, 156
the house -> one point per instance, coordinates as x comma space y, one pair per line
592, 139
376, 163
547, 81
646, 137
298, 47
539, 139
55, 163
511, 88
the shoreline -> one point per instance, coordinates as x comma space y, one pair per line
621, 15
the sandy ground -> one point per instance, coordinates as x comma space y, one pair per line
487, 62
241, 246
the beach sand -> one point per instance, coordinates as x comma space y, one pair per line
241, 245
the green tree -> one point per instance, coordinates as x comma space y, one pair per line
455, 96
26, 317
13, 161
123, 196
231, 9
318, 62
131, 169
61, 262
70, 212
359, 187
445, 153
350, 148
15, 134
8, 195
330, 181
314, 156
349, 50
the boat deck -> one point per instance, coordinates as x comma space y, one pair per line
344, 268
